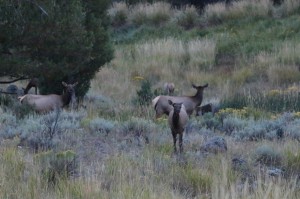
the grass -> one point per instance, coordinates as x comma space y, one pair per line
250, 61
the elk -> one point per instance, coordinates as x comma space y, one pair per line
201, 110
161, 105
177, 120
46, 103
32, 83
169, 88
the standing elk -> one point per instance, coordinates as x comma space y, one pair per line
162, 106
45, 103
177, 120
169, 88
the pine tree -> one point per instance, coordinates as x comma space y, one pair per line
54, 40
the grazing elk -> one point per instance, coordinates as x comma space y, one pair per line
45, 103
34, 82
169, 88
178, 118
162, 106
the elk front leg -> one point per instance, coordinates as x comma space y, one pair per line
174, 141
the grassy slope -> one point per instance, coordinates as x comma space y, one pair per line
151, 171
238, 42
243, 36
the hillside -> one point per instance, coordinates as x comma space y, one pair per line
111, 145
251, 46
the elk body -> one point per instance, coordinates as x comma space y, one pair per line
177, 120
162, 106
32, 83
45, 103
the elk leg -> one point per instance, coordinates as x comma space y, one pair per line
174, 142
180, 143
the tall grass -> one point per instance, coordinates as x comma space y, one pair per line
287, 53
153, 14
220, 12
291, 6
273, 101
158, 61
149, 175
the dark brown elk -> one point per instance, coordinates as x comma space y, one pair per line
177, 120
34, 82
201, 110
162, 106
46, 103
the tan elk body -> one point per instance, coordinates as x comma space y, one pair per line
45, 103
162, 106
177, 120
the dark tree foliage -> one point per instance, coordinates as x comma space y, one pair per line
54, 40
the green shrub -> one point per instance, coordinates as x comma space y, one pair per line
235, 100
145, 94
13, 165
293, 129
118, 13
210, 121
11, 103
100, 104
232, 124
272, 101
154, 14
44, 132
137, 127
188, 17
252, 132
268, 156
292, 162
6, 100
191, 181
57, 165
101, 125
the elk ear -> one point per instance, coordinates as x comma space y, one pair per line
170, 102
194, 86
204, 86
75, 84
64, 84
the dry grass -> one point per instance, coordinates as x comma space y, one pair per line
188, 17
156, 13
290, 6
162, 60
287, 53
202, 54
219, 12
283, 74
149, 173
